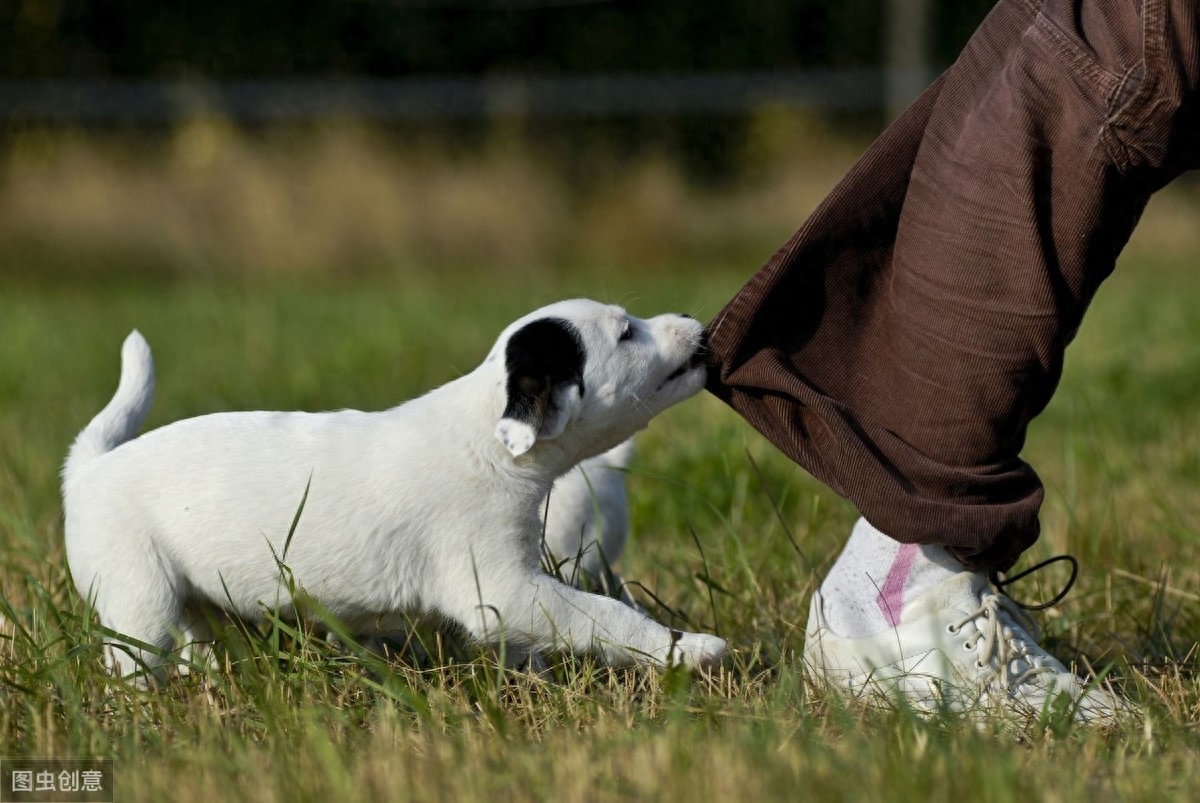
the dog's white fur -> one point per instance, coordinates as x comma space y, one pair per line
430, 508
587, 520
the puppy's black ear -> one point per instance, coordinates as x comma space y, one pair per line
544, 360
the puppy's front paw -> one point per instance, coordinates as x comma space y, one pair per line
698, 650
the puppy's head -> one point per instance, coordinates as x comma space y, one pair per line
588, 375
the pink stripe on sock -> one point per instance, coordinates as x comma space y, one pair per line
891, 596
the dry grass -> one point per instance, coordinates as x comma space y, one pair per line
208, 198
343, 199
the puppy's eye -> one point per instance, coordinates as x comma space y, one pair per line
627, 332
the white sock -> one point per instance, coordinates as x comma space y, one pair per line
875, 576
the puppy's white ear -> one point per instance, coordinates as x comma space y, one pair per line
545, 389
517, 437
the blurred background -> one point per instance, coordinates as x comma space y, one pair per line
406, 137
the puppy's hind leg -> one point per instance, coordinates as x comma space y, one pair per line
143, 607
198, 638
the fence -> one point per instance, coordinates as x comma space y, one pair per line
419, 99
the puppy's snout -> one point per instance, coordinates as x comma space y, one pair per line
678, 328
688, 327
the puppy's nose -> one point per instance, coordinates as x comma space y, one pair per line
685, 315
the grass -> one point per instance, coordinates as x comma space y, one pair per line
728, 534
209, 199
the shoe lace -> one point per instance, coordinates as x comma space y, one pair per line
1007, 633
1001, 583
1004, 630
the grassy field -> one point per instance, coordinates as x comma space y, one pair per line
728, 535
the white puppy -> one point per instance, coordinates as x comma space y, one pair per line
430, 508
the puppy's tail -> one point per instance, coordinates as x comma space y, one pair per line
121, 417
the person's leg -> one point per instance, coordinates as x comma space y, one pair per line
899, 344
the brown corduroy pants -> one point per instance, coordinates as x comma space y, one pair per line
900, 342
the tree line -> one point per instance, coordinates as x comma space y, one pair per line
135, 39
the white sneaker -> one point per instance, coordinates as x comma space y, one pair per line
959, 646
